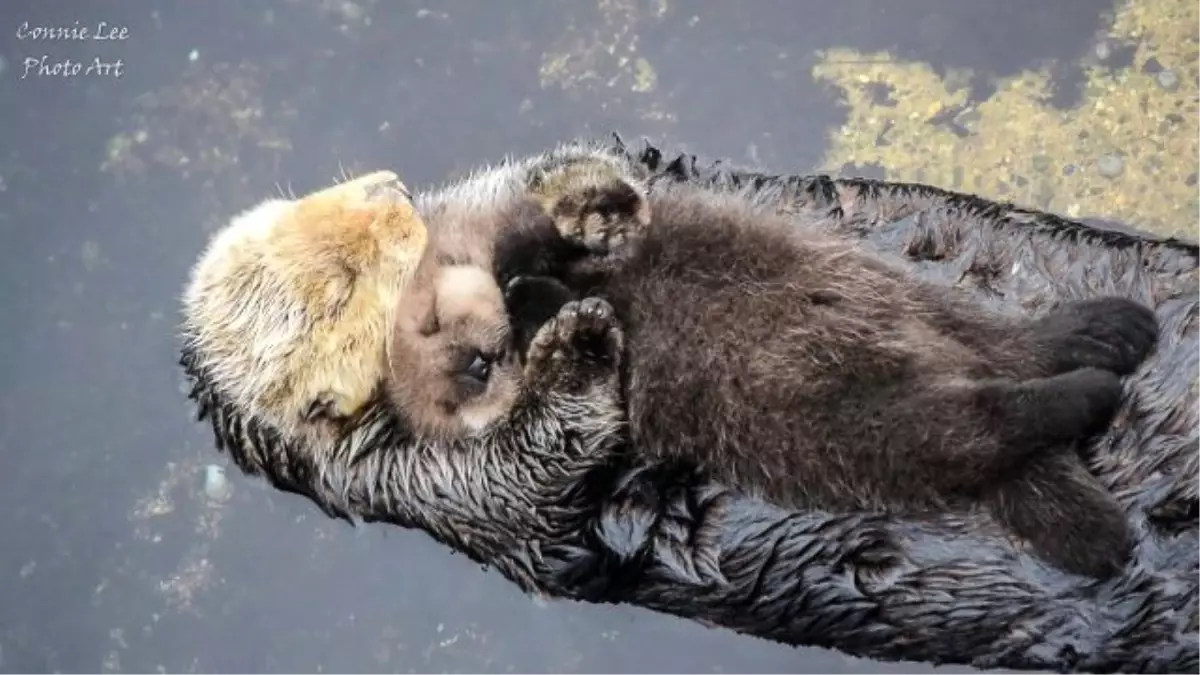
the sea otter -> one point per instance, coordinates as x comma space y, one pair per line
888, 586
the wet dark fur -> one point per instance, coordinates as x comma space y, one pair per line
562, 520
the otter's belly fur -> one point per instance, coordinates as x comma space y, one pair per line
807, 374
804, 369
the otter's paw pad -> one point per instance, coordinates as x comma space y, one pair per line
593, 203
1114, 334
582, 344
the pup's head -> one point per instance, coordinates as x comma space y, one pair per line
453, 370
289, 309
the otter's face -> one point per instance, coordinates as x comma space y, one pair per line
453, 371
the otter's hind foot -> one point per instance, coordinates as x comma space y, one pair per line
1111, 333
579, 348
1068, 518
593, 203
1051, 410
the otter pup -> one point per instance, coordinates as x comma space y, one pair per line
454, 362
816, 373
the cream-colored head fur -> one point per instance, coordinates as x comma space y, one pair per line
290, 308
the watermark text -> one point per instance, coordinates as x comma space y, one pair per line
77, 32
101, 31
45, 66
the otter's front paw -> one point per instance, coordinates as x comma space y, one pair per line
327, 407
531, 302
593, 204
577, 349
1113, 334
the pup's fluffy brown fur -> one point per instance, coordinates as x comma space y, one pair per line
293, 302
818, 374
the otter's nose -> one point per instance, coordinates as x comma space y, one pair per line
387, 188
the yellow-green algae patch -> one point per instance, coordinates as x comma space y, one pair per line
1127, 152
603, 55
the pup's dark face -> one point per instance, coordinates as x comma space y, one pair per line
453, 370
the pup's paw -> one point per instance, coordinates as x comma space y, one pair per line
1110, 333
1085, 531
1099, 546
531, 302
1088, 398
592, 202
577, 349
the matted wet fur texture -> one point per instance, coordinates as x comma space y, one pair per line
950, 590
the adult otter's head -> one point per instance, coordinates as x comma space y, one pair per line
288, 310
453, 369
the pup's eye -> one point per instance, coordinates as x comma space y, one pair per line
480, 367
